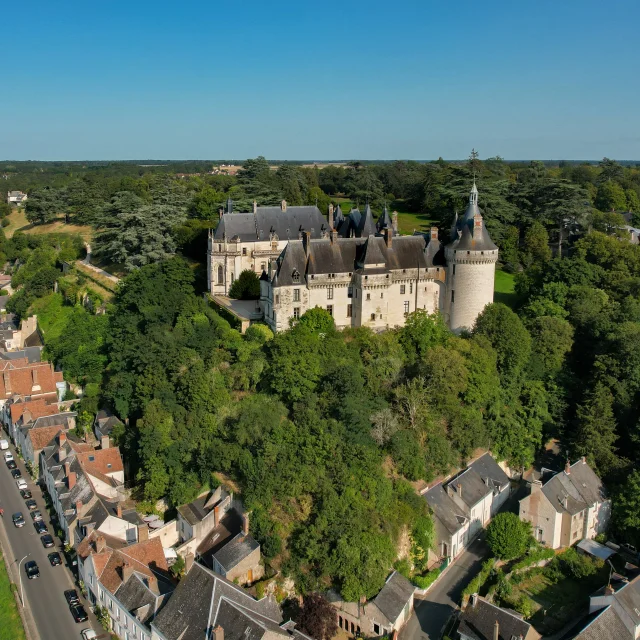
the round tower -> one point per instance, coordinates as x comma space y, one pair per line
471, 258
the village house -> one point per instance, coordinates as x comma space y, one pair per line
131, 582
33, 435
14, 339
568, 507
14, 410
483, 620
104, 424
381, 616
16, 198
239, 559
465, 504
206, 605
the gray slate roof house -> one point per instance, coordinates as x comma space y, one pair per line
235, 551
205, 600
482, 620
395, 596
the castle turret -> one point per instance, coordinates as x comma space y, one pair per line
471, 264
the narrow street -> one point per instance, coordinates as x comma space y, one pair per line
432, 613
44, 596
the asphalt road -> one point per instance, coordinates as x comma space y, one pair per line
44, 595
432, 613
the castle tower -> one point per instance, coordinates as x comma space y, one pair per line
471, 258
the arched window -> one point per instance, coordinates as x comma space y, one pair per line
220, 274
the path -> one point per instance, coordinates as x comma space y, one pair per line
102, 272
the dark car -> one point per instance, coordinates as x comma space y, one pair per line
47, 540
55, 559
71, 596
11, 464
16, 473
78, 613
31, 505
36, 515
32, 570
26, 494
18, 519
40, 526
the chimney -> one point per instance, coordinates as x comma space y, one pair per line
255, 206
67, 468
220, 212
7, 382
62, 438
306, 241
143, 532
71, 480
101, 544
567, 467
152, 583
583, 459
459, 489
333, 236
245, 524
104, 442
119, 511
609, 590
394, 221
388, 236
283, 205
189, 559
34, 377
434, 233
78, 505
218, 633
330, 216
477, 224
496, 631
127, 571
474, 599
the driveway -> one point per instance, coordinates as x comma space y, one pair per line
44, 597
433, 611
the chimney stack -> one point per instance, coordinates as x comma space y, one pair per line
306, 241
67, 468
474, 599
78, 506
220, 212
104, 442
71, 480
434, 233
218, 633
119, 510
255, 206
189, 559
152, 583
7, 382
477, 224
283, 205
101, 544
333, 236
609, 590
583, 459
245, 524
394, 221
388, 236
62, 438
127, 572
567, 467
496, 631
330, 216
143, 532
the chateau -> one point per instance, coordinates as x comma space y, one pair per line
360, 270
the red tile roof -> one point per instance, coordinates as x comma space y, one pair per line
41, 437
37, 408
27, 379
102, 458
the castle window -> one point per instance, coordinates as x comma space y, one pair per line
350, 292
368, 296
329, 293
349, 311
277, 298
330, 309
468, 252
382, 295
263, 266
411, 287
482, 253
406, 306
453, 296
244, 251
219, 247
296, 295
373, 316
296, 313
403, 289
454, 269
220, 275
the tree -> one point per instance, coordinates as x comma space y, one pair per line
43, 206
246, 287
508, 537
422, 331
317, 320
205, 204
611, 197
317, 617
536, 245
626, 509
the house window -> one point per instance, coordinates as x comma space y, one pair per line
403, 289
373, 316
330, 309
277, 298
92, 458
411, 287
244, 251
340, 621
296, 295
453, 296
350, 292
330, 293
296, 313
349, 311
232, 278
406, 306
219, 247
368, 296
376, 629
220, 275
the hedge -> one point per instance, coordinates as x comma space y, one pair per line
476, 584
423, 582
532, 558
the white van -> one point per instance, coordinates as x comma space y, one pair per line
4, 444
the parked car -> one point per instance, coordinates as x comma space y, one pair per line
78, 613
26, 494
36, 515
21, 483
71, 596
8, 456
31, 505
55, 559
11, 464
16, 473
88, 634
32, 570
46, 539
40, 527
4, 444
18, 519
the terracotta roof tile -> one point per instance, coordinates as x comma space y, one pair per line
101, 461
35, 379
40, 438
37, 408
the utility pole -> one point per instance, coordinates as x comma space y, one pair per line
20, 573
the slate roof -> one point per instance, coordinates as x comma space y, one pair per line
473, 487
629, 599
32, 354
194, 512
357, 224
236, 550
446, 509
490, 471
137, 598
607, 625
287, 225
394, 596
464, 236
196, 603
479, 622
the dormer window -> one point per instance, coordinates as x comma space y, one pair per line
295, 276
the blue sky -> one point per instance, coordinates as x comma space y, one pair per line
353, 79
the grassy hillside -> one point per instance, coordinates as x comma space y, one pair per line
10, 623
18, 222
504, 288
52, 314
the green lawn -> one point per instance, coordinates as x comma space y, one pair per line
10, 623
52, 314
504, 288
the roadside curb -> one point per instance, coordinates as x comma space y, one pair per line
28, 623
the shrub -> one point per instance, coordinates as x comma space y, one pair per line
425, 581
508, 536
525, 606
4, 292
403, 567
246, 287
533, 557
577, 565
6, 222
477, 583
